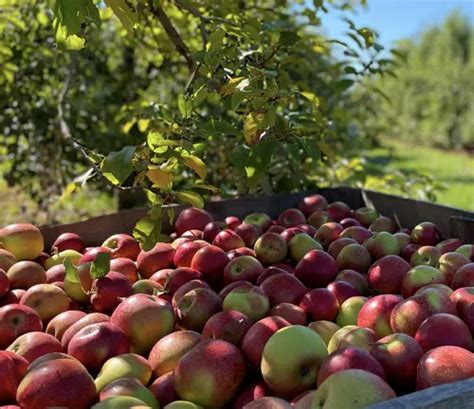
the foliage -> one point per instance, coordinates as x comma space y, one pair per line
430, 100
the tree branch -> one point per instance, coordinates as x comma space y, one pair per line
172, 33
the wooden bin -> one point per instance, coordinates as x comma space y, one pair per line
407, 212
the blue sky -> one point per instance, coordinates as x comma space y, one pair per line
396, 19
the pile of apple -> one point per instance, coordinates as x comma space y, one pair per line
324, 307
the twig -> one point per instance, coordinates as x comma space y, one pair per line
172, 33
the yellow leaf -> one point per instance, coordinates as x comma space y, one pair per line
190, 197
128, 125
327, 150
231, 86
160, 178
143, 124
251, 127
196, 164
312, 98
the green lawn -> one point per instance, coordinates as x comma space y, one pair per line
454, 169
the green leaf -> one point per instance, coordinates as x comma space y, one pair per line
289, 38
185, 106
215, 40
312, 98
117, 166
100, 266
126, 16
190, 197
71, 271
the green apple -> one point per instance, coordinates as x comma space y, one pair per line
349, 310
352, 336
300, 245
382, 244
325, 329
59, 258
351, 388
182, 404
129, 387
120, 402
291, 359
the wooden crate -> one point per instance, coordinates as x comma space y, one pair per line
452, 223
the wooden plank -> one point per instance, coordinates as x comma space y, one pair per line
457, 395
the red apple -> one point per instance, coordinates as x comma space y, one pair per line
61, 322
443, 329
308, 229
316, 269
464, 277
186, 288
463, 297
229, 326
399, 355
228, 240
83, 322
229, 287
185, 252
386, 275
343, 290
283, 287
163, 389
241, 251
232, 222
7, 259
449, 245
320, 304
126, 267
318, 218
449, 263
426, 234
338, 211
383, 223
270, 271
291, 218
34, 344
23, 240
292, 313
403, 239
337, 245
210, 231
271, 248
108, 291
358, 233
313, 203
291, 232
122, 245
257, 336
328, 232
191, 218
11, 297
193, 234
354, 257
245, 268
408, 251
250, 393
196, 307
159, 257
161, 276
249, 233
179, 277
444, 364
55, 273
96, 343
4, 283
26, 274
357, 280
276, 228
91, 254
210, 261
218, 361
147, 286
349, 222
68, 241
376, 312
269, 402
13, 368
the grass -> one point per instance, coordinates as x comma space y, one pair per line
454, 169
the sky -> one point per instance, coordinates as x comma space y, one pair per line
397, 19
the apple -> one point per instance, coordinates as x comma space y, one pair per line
386, 275
399, 355
291, 218
308, 229
96, 343
283, 287
129, 387
147, 286
408, 251
13, 368
352, 388
220, 363
166, 353
230, 326
228, 240
241, 251
185, 288
349, 222
312, 203
316, 269
232, 222
11, 297
191, 218
275, 228
343, 290
354, 257
302, 244
292, 313
320, 304
185, 252
47, 300
349, 358
408, 315
159, 257
145, 319
124, 366
328, 232
449, 245
107, 292
318, 218
249, 393
180, 276
193, 234
270, 271
4, 283
249, 233
210, 230
425, 255
7, 259
257, 336
358, 233
26, 274
467, 250
451, 262
210, 261
382, 244
164, 391
420, 276
196, 307
270, 248
245, 268
383, 223
338, 211
68, 241
23, 240
269, 402
229, 287
426, 234
325, 329
61, 322
182, 404
352, 336
349, 310
291, 359
463, 297
444, 364
464, 277
375, 313
357, 280
55, 274
337, 245
291, 232
91, 253
34, 344
366, 216
403, 239
443, 329
59, 258
122, 245
57, 383
251, 301
83, 322
262, 220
